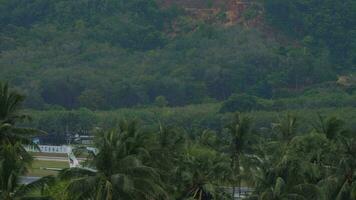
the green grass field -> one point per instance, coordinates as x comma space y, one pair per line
49, 154
39, 165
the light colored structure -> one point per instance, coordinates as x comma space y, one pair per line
49, 149
73, 161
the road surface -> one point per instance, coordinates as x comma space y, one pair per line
28, 179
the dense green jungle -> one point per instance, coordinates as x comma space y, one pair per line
185, 99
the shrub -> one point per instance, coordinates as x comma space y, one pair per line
161, 101
241, 103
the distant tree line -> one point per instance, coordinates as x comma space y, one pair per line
167, 162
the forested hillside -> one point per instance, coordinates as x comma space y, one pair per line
178, 99
111, 54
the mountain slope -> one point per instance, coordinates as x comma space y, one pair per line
114, 53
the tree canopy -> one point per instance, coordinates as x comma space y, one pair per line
111, 54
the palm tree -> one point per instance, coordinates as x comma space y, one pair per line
283, 178
10, 104
238, 129
203, 173
14, 159
291, 166
10, 114
168, 145
331, 128
286, 128
119, 171
341, 183
12, 166
167, 150
279, 192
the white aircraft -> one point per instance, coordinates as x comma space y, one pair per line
73, 161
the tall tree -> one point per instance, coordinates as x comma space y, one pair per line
10, 114
12, 167
203, 172
167, 151
341, 184
332, 127
10, 105
286, 128
14, 159
238, 129
118, 168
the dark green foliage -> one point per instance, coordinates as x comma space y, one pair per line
126, 54
161, 101
91, 99
14, 159
121, 171
289, 160
324, 25
10, 103
241, 103
105, 55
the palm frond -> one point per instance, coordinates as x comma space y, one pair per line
38, 184
71, 173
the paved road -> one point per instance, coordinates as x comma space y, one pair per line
51, 158
28, 179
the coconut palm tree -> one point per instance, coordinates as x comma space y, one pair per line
332, 127
10, 114
10, 105
14, 159
286, 128
238, 129
118, 169
168, 145
12, 166
269, 185
167, 150
341, 183
279, 192
291, 166
203, 173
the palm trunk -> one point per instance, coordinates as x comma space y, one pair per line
239, 176
233, 192
236, 176
233, 164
